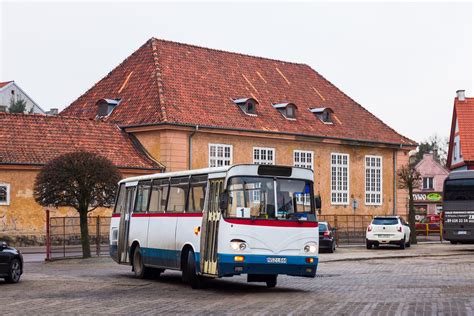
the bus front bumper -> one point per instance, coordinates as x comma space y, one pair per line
228, 265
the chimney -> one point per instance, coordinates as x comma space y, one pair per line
460, 94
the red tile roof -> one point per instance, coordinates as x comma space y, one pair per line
36, 139
3, 84
464, 112
168, 82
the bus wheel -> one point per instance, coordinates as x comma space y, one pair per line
195, 280
139, 268
272, 281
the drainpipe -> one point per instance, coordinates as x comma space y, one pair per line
394, 182
190, 147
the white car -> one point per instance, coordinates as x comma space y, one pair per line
388, 230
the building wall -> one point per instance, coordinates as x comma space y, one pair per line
23, 220
6, 95
174, 155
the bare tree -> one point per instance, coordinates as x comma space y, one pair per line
82, 180
409, 179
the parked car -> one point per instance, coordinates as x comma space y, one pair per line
327, 238
388, 230
11, 263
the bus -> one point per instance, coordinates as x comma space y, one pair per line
458, 207
257, 220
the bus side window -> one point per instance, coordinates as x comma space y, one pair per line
197, 194
143, 195
120, 204
179, 188
159, 194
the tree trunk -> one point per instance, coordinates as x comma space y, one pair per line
86, 248
411, 216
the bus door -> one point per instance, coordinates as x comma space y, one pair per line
124, 227
210, 228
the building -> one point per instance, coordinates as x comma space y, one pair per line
194, 107
461, 139
428, 198
30, 141
10, 90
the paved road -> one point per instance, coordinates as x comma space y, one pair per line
441, 281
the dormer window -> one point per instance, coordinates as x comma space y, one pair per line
288, 110
247, 105
324, 114
106, 106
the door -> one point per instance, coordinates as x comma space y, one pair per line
4, 260
124, 227
210, 228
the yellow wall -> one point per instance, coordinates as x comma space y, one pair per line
175, 158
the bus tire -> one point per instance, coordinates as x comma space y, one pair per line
189, 272
272, 281
141, 272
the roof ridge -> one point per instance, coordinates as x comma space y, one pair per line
226, 51
59, 117
159, 81
403, 138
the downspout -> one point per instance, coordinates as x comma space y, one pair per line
394, 182
190, 147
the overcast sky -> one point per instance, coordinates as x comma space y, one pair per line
402, 61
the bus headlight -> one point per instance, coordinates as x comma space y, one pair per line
310, 248
238, 245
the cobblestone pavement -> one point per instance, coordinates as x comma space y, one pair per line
414, 285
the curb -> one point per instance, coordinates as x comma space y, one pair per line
397, 257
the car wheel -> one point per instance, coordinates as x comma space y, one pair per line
272, 281
402, 243
453, 242
189, 272
408, 243
368, 244
333, 247
141, 272
15, 272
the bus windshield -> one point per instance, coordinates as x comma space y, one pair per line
267, 198
459, 190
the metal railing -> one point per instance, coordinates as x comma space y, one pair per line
350, 229
63, 236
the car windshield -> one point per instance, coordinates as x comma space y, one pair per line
459, 190
322, 227
266, 198
385, 221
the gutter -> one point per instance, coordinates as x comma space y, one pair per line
358, 141
43, 164
190, 147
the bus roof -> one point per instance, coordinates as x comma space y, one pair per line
461, 174
301, 173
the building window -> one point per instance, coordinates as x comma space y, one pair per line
323, 114
4, 194
288, 110
373, 180
247, 105
340, 179
263, 156
303, 159
220, 155
428, 183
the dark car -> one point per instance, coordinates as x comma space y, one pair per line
11, 263
327, 239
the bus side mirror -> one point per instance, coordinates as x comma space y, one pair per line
317, 202
223, 200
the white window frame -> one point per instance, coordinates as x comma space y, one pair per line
304, 164
335, 191
7, 185
432, 183
226, 161
266, 161
369, 191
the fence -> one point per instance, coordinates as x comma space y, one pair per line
351, 229
63, 236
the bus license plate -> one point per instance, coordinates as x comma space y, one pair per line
276, 260
462, 232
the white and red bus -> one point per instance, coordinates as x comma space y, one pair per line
258, 220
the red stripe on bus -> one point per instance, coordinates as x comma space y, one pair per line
167, 215
275, 223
